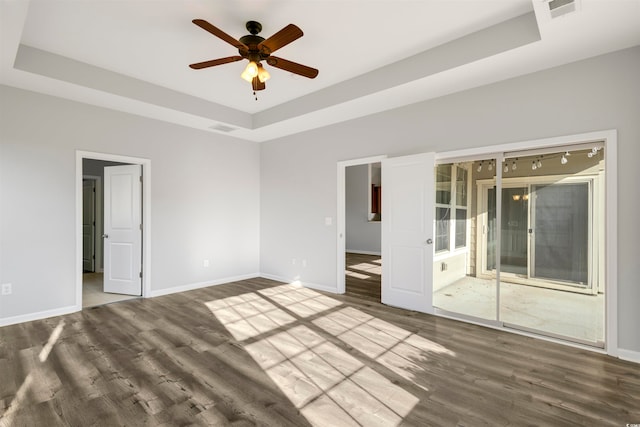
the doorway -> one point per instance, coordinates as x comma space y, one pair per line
358, 226
363, 253
92, 287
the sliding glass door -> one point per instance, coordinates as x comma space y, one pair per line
534, 255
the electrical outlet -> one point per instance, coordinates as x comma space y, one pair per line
6, 289
205, 263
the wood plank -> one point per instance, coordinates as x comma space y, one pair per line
171, 361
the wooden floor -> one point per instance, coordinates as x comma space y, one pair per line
258, 352
363, 276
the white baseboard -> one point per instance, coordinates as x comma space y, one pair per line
354, 251
629, 355
192, 286
38, 315
305, 284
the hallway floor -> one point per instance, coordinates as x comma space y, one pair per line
93, 295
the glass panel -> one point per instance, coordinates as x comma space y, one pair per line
561, 232
461, 228
549, 280
461, 186
492, 229
442, 228
443, 184
513, 240
460, 282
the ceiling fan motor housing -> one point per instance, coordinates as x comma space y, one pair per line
254, 27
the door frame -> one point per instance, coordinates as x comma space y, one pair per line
341, 215
609, 139
146, 217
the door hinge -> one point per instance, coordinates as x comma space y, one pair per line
140, 227
141, 274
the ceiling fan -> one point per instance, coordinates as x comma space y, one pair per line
256, 49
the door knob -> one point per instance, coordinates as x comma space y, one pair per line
105, 236
429, 241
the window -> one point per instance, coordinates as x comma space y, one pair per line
461, 207
451, 207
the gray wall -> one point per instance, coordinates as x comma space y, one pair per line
362, 235
204, 197
595, 94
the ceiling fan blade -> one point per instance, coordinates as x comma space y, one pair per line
293, 67
257, 84
214, 62
219, 33
280, 39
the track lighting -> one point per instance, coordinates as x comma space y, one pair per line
593, 152
490, 165
479, 167
539, 164
514, 166
563, 159
533, 165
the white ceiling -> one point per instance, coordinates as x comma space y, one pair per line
133, 55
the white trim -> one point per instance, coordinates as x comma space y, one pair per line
479, 153
498, 326
297, 281
611, 241
38, 315
199, 285
629, 355
355, 251
610, 139
341, 218
146, 217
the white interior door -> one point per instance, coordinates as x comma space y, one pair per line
407, 231
122, 229
88, 224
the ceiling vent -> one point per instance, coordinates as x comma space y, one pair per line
561, 7
222, 128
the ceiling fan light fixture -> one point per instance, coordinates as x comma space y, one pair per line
250, 71
255, 49
263, 75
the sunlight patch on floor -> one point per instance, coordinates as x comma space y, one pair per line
389, 345
6, 419
364, 266
248, 315
356, 275
328, 385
